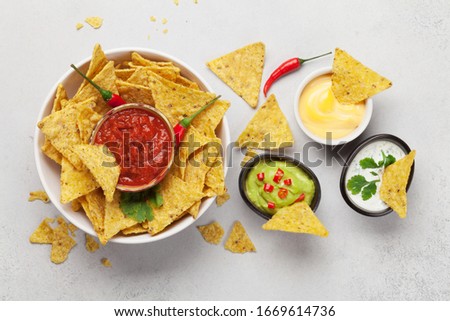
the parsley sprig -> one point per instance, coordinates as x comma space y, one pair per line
138, 205
359, 184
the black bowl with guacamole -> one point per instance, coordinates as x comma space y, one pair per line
269, 182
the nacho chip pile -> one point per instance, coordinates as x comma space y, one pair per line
197, 172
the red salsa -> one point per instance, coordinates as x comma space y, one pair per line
141, 143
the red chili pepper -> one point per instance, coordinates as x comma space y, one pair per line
278, 175
287, 181
300, 198
271, 205
181, 128
285, 68
260, 176
283, 193
111, 99
268, 188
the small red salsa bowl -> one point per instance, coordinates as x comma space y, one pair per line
142, 140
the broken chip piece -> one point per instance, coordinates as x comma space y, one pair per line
44, 232
212, 233
91, 244
239, 241
38, 195
94, 22
221, 199
106, 262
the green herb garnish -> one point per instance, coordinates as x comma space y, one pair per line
137, 205
358, 183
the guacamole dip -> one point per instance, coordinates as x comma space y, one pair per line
271, 185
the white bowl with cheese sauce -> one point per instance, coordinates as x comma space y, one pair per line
371, 148
322, 118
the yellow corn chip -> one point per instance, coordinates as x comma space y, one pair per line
51, 152
138, 60
186, 82
79, 25
62, 130
221, 199
75, 205
75, 183
106, 262
239, 241
102, 165
124, 74
106, 79
215, 177
296, 218
94, 22
141, 74
62, 243
268, 129
135, 229
212, 233
115, 219
91, 244
393, 184
38, 195
86, 121
98, 62
44, 233
61, 95
133, 93
242, 71
194, 209
94, 206
352, 82
192, 141
248, 156
177, 198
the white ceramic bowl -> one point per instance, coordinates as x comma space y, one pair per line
49, 171
353, 135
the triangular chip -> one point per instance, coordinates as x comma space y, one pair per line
138, 60
296, 218
61, 94
140, 76
87, 120
62, 243
133, 93
268, 129
352, 82
238, 241
135, 229
393, 184
44, 233
91, 244
212, 233
248, 156
51, 152
115, 219
94, 206
98, 62
242, 71
102, 165
223, 198
74, 182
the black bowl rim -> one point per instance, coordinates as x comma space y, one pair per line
399, 142
275, 157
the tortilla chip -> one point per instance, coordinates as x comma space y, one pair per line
106, 262
115, 219
94, 206
51, 152
62, 243
177, 199
102, 165
94, 22
192, 141
393, 184
106, 79
212, 233
38, 195
135, 229
133, 93
141, 74
61, 95
221, 199
296, 218
87, 120
44, 233
268, 129
72, 229
352, 82
75, 205
62, 130
75, 183
239, 241
186, 82
215, 177
242, 71
194, 209
248, 156
98, 62
138, 60
124, 74
91, 244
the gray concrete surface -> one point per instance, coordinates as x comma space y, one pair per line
362, 259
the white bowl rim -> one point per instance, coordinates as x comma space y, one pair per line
38, 156
338, 141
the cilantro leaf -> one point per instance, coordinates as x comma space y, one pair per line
356, 183
369, 190
389, 160
137, 210
374, 173
368, 162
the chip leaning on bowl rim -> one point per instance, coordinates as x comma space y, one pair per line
49, 171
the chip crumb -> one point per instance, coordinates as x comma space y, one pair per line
176, 2
152, 18
196, 1
165, 31
148, 37
239, 241
164, 21
94, 22
43, 233
72, 229
106, 262
79, 25
38, 195
221, 199
212, 233
91, 244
